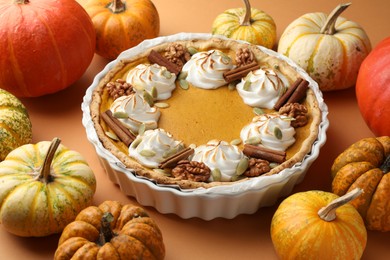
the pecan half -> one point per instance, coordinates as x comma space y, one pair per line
177, 53
257, 167
191, 170
244, 56
297, 111
119, 88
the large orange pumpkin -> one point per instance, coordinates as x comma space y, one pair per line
46, 45
121, 24
373, 89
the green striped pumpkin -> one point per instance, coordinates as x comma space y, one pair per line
15, 124
247, 24
330, 48
43, 188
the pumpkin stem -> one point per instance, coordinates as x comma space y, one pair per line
44, 175
247, 18
385, 167
106, 233
117, 6
22, 2
328, 213
329, 26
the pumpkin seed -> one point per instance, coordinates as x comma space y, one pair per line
184, 84
247, 85
147, 153
273, 165
141, 129
193, 146
258, 111
242, 166
153, 92
232, 85
278, 133
236, 141
216, 174
192, 50
148, 98
183, 75
276, 67
225, 58
112, 136
161, 105
253, 140
120, 114
136, 142
167, 74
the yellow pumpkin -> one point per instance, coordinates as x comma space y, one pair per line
366, 164
318, 225
111, 231
15, 124
121, 25
330, 48
43, 188
247, 24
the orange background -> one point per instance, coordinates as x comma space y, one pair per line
246, 236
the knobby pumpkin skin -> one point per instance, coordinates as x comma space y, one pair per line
111, 231
302, 229
247, 24
46, 45
373, 89
330, 48
15, 124
121, 25
43, 188
366, 164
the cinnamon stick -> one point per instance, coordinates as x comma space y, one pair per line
299, 93
119, 129
172, 160
283, 99
260, 152
240, 72
156, 57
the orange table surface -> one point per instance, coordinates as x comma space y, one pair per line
246, 236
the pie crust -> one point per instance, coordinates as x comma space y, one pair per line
305, 136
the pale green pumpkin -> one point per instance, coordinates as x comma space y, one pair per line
247, 24
15, 124
43, 188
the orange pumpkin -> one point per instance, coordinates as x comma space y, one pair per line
318, 225
111, 231
366, 164
46, 45
122, 25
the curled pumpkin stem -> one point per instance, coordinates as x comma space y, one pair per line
247, 18
45, 173
328, 213
329, 27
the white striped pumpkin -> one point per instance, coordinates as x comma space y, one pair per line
15, 124
330, 48
247, 24
43, 188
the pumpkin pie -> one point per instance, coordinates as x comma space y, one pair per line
204, 113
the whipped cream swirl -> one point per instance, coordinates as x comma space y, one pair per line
205, 69
262, 88
219, 155
274, 131
153, 146
133, 111
149, 76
